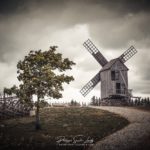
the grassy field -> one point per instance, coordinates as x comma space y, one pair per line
68, 122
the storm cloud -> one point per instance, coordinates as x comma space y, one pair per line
113, 26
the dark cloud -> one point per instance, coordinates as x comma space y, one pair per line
122, 6
113, 25
126, 6
8, 7
123, 31
143, 66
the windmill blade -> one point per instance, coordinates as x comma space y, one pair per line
128, 54
95, 52
90, 85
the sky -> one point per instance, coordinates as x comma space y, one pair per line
113, 26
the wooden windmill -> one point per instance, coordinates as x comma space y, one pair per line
113, 75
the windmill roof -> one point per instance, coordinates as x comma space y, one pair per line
110, 63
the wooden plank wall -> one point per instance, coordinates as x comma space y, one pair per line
108, 87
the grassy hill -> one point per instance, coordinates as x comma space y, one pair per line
68, 122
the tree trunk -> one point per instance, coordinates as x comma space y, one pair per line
4, 104
37, 125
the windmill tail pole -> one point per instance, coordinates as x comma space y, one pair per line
123, 79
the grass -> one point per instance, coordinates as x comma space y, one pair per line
56, 122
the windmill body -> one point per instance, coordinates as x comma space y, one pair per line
113, 75
114, 80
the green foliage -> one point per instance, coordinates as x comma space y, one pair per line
37, 73
7, 91
42, 104
20, 93
12, 90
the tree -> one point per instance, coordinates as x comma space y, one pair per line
37, 72
148, 101
13, 90
42, 104
74, 103
7, 91
95, 101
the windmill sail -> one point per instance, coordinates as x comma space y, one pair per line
128, 54
90, 85
95, 52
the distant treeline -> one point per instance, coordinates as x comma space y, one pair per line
74, 103
95, 101
140, 102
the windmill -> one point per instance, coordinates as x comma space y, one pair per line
113, 75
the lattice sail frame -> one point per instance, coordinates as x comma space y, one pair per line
102, 61
128, 54
90, 85
95, 52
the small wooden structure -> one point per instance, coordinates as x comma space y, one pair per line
113, 75
11, 107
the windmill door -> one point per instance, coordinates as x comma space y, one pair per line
118, 88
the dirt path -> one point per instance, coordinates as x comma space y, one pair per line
128, 137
